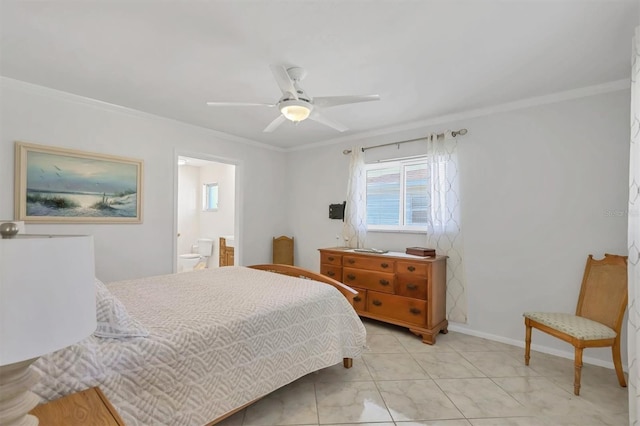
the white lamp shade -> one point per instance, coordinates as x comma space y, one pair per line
47, 294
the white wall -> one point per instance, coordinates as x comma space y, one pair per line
39, 115
218, 223
543, 205
189, 191
537, 185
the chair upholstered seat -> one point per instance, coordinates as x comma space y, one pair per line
575, 326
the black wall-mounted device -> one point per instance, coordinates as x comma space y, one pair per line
336, 211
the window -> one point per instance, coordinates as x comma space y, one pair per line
210, 197
397, 195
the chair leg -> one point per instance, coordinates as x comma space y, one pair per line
578, 371
527, 343
617, 362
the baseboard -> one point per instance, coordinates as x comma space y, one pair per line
460, 328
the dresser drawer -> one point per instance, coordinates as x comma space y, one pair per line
414, 268
402, 308
411, 286
374, 263
331, 259
371, 280
392, 287
331, 271
360, 301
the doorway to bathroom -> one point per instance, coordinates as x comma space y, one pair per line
206, 213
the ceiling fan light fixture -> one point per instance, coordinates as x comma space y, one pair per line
295, 110
295, 105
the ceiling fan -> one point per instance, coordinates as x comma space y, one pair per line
296, 105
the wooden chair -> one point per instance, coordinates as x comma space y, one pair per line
598, 318
283, 250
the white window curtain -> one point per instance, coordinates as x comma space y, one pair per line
633, 327
444, 230
354, 230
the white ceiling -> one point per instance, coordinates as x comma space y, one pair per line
425, 58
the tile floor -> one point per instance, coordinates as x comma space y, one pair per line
460, 381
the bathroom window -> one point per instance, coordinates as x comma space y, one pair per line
210, 197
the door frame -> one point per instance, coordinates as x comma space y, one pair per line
237, 214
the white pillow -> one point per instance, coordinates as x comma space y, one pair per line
113, 319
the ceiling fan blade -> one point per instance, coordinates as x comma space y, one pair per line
316, 116
284, 80
275, 124
330, 101
239, 104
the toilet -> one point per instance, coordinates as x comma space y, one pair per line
199, 258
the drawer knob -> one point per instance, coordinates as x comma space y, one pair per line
411, 268
384, 265
351, 277
412, 287
415, 311
357, 299
376, 302
351, 261
331, 258
384, 282
331, 273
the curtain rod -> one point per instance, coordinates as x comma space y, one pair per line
439, 135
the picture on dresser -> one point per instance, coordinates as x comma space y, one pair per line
62, 185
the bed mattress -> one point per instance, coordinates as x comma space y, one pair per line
219, 339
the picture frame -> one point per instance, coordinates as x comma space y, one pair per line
59, 185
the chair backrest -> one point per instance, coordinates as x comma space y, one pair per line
603, 296
283, 250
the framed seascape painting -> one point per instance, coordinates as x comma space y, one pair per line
68, 186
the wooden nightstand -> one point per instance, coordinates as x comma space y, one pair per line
89, 407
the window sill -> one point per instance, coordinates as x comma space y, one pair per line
398, 231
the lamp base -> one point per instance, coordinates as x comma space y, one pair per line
15, 398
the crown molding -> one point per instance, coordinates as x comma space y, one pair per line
595, 90
6, 82
612, 86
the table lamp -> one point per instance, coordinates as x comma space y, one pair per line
47, 302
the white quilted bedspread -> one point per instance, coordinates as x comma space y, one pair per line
219, 339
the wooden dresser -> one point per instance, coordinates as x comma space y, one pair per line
397, 288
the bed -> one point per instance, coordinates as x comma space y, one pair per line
199, 346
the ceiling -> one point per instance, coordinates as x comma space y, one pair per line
424, 58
